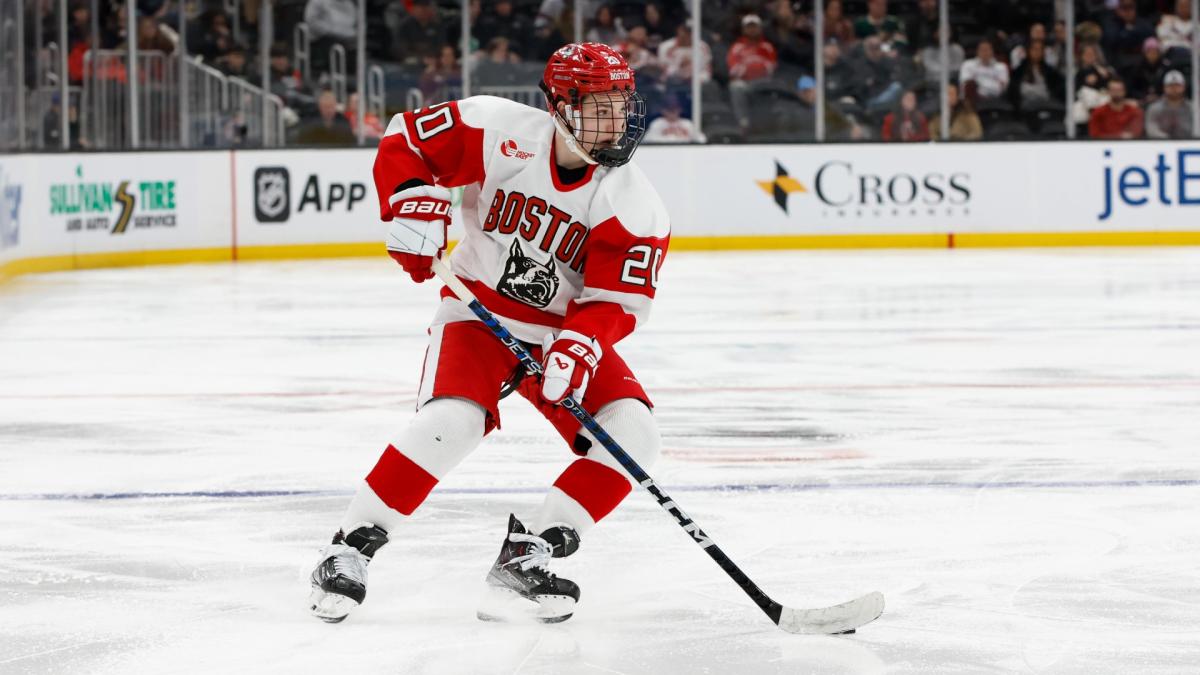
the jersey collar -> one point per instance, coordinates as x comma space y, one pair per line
558, 185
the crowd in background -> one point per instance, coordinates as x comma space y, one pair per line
882, 61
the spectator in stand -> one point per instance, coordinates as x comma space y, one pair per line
1124, 34
1120, 118
930, 59
750, 59
1037, 33
214, 37
965, 124
906, 124
496, 59
838, 127
989, 75
501, 21
441, 72
675, 56
671, 127
285, 80
875, 75
791, 34
657, 28
637, 53
1092, 71
152, 36
331, 22
234, 64
421, 32
1091, 83
839, 75
1034, 83
79, 38
892, 38
606, 28
1056, 48
1171, 115
872, 23
1145, 83
922, 27
837, 26
327, 127
546, 39
372, 126
1175, 32
79, 22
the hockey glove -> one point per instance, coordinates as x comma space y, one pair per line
420, 218
570, 362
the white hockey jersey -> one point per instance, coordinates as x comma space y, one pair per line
539, 254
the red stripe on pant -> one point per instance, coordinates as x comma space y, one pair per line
596, 487
399, 481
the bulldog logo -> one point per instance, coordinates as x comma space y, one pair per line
525, 280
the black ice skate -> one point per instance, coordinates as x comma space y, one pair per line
339, 583
519, 587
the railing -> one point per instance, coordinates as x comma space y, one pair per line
10, 80
221, 111
301, 51
337, 73
207, 96
376, 95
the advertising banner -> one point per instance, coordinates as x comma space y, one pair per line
120, 202
927, 188
85, 208
290, 197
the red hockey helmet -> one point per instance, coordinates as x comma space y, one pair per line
577, 70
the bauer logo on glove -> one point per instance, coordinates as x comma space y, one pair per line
570, 362
418, 206
420, 219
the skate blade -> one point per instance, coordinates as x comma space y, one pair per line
330, 607
505, 605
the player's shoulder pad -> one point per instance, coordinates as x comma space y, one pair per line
503, 116
626, 192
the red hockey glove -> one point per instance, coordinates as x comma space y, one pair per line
570, 361
420, 218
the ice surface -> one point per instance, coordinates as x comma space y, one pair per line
1006, 443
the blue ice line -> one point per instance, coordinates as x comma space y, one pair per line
731, 487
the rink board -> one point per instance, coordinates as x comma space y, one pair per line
76, 211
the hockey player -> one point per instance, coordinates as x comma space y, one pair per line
563, 241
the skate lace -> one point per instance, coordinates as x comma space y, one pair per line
539, 553
349, 564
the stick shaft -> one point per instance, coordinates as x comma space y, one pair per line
769, 606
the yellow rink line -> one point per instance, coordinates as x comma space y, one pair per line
81, 261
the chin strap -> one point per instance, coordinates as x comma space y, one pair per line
572, 142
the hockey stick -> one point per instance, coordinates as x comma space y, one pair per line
843, 618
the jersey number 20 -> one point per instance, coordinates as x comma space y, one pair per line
641, 267
434, 121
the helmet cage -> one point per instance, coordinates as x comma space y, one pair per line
582, 126
577, 71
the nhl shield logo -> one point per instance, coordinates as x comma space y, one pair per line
526, 280
272, 187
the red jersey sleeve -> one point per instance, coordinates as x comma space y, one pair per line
432, 145
620, 277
